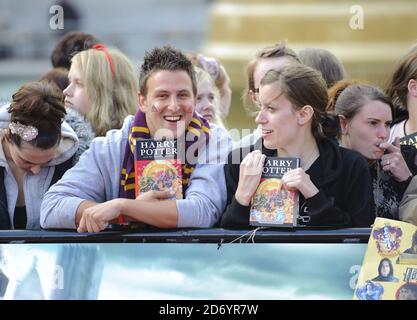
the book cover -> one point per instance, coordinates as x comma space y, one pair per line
389, 268
157, 167
410, 139
272, 204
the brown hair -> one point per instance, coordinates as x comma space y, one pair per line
336, 90
165, 58
69, 45
405, 70
324, 61
41, 105
352, 99
59, 76
303, 86
276, 51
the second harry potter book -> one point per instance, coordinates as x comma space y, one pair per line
157, 167
273, 205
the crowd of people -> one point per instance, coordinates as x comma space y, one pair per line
67, 140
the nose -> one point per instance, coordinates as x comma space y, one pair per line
35, 169
68, 90
260, 118
207, 105
173, 104
383, 132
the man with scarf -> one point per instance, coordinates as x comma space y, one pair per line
100, 188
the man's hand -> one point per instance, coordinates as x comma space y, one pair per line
154, 195
97, 218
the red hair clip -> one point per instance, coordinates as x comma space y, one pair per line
101, 47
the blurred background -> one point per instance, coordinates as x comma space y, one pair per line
229, 30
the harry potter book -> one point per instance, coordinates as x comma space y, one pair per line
389, 268
157, 167
272, 204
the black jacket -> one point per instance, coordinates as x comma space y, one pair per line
342, 177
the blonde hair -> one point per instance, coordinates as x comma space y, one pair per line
203, 76
111, 98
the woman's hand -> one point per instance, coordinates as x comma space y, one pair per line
298, 179
249, 176
394, 162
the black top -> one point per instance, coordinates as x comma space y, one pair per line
342, 177
19, 218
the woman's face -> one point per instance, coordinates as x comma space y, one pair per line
76, 93
277, 117
385, 269
30, 158
368, 129
206, 100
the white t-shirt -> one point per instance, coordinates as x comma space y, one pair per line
397, 130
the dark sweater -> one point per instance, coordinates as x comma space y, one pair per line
342, 177
388, 192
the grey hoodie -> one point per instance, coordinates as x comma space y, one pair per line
96, 177
34, 186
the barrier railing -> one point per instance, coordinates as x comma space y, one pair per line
305, 235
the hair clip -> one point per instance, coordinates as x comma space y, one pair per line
210, 65
27, 133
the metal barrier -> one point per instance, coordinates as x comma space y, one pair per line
304, 235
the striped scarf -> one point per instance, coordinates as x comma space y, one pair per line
140, 130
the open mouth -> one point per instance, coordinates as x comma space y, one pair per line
172, 119
266, 132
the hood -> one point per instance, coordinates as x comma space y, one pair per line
67, 146
83, 130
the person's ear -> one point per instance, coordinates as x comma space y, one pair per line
252, 95
343, 124
142, 102
305, 114
412, 87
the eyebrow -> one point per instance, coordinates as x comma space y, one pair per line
379, 120
184, 91
30, 162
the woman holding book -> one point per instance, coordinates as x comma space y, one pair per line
334, 184
365, 115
